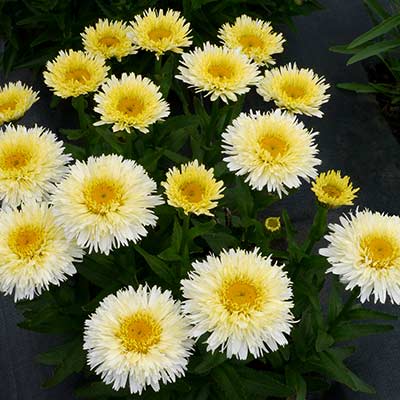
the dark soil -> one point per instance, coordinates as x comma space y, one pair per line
379, 73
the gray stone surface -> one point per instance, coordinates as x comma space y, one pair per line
353, 137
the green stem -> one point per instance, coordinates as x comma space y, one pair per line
318, 229
185, 245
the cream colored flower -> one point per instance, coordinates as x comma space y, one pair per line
34, 252
242, 300
218, 71
106, 202
273, 149
138, 338
108, 39
15, 100
130, 102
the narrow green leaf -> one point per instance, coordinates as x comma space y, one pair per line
95, 390
206, 362
357, 87
229, 381
378, 30
324, 341
374, 50
297, 382
74, 361
376, 8
343, 49
332, 366
335, 301
349, 331
57, 354
365, 313
158, 266
201, 229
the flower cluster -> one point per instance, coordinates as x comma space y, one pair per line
236, 301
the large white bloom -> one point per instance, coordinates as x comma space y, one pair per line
364, 250
105, 202
242, 300
32, 161
273, 149
34, 251
138, 338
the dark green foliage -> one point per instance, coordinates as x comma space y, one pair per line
35, 30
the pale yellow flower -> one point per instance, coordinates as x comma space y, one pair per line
138, 338
34, 252
15, 100
300, 91
132, 101
193, 188
333, 190
253, 37
108, 39
160, 32
73, 73
364, 251
219, 71
273, 149
241, 300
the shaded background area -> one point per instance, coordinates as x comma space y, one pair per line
353, 137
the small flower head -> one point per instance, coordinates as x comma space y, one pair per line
300, 91
160, 31
364, 251
242, 300
333, 190
219, 71
138, 338
253, 37
130, 102
15, 100
273, 224
73, 73
108, 39
193, 188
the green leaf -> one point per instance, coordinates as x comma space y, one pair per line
229, 382
180, 122
335, 302
263, 383
297, 382
220, 240
73, 134
206, 362
374, 50
176, 238
98, 270
74, 361
201, 229
324, 341
95, 390
357, 87
366, 313
376, 8
349, 331
57, 354
378, 30
158, 266
175, 157
343, 49
331, 365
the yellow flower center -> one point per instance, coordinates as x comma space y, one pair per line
109, 41
295, 90
15, 159
78, 74
8, 105
240, 296
379, 250
220, 71
139, 332
192, 192
332, 191
273, 223
131, 106
103, 196
251, 41
159, 33
26, 241
275, 146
